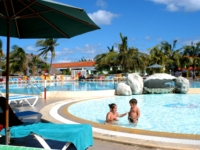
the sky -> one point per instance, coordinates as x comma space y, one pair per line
146, 23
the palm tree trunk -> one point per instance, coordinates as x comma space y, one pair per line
50, 63
193, 72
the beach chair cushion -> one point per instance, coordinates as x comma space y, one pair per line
25, 114
78, 134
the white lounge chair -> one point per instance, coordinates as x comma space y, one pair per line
21, 99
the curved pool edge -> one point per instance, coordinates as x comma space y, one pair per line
71, 117
50, 113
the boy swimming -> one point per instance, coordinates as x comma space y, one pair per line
134, 112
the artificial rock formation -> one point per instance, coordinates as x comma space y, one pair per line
123, 89
181, 85
135, 81
159, 83
158, 80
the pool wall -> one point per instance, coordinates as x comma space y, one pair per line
83, 94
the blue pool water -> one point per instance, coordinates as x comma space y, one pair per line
58, 86
176, 113
66, 86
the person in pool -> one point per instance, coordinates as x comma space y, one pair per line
112, 116
134, 112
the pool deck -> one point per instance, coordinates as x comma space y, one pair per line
106, 140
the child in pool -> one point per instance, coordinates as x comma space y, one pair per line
111, 116
134, 112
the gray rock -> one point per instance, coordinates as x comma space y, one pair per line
159, 80
158, 90
135, 81
181, 85
123, 89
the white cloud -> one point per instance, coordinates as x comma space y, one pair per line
159, 39
189, 41
87, 48
101, 3
102, 17
172, 7
31, 48
133, 39
62, 61
88, 51
175, 5
148, 38
67, 51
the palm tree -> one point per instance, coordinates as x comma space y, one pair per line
157, 56
17, 60
48, 45
192, 53
106, 60
33, 62
166, 55
124, 56
139, 60
173, 55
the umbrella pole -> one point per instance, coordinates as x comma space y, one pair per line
7, 141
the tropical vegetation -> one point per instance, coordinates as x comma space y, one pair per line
130, 59
47, 45
118, 59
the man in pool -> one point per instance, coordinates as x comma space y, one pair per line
112, 116
134, 112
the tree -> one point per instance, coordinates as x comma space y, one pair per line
124, 56
106, 60
165, 54
129, 58
48, 45
192, 53
17, 60
33, 64
173, 55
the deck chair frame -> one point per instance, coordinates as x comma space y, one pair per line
21, 99
44, 143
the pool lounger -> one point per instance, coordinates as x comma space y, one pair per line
80, 135
23, 98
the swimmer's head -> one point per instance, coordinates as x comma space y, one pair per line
133, 101
112, 106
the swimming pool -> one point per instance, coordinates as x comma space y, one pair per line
36, 88
175, 113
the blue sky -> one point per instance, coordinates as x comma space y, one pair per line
146, 23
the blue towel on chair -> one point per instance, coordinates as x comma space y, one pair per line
78, 134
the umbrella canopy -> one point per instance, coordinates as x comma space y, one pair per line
39, 19
155, 66
43, 19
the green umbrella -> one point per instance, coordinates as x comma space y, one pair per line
39, 19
